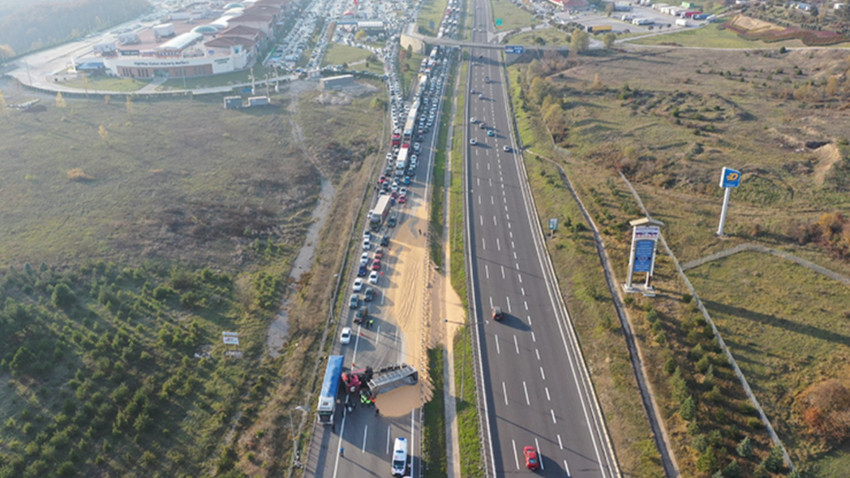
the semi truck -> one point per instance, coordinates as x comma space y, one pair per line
379, 213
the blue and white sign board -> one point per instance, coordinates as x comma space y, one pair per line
729, 178
553, 224
516, 49
643, 255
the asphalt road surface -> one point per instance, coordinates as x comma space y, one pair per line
536, 388
366, 437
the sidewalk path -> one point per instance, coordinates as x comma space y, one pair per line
768, 250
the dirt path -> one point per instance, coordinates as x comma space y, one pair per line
767, 250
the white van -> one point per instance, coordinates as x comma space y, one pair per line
399, 457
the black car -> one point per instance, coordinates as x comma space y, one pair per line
369, 294
391, 222
385, 241
362, 271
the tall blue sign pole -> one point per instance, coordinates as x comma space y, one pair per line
729, 178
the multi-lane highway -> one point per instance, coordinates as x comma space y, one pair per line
538, 392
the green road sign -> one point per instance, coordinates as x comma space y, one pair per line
498, 22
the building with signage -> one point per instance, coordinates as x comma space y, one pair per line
230, 40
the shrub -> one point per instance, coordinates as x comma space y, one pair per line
755, 423
670, 366
774, 462
707, 460
688, 409
744, 448
699, 442
732, 470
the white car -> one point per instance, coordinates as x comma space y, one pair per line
373, 277
345, 336
358, 284
367, 245
364, 258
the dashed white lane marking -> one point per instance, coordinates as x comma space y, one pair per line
516, 458
547, 394
483, 244
526, 304
495, 223
505, 393
539, 453
481, 220
522, 290
534, 339
553, 416
519, 276
525, 389
516, 345
486, 271
503, 271
508, 300
498, 245
560, 443
542, 374
498, 350
365, 430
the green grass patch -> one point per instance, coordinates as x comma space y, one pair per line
512, 16
409, 67
802, 338
549, 36
102, 83
437, 224
471, 465
434, 419
457, 249
338, 54
430, 15
711, 36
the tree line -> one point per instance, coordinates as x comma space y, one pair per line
34, 27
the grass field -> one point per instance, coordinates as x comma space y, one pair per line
800, 341
338, 54
669, 120
98, 83
430, 16
711, 36
549, 36
512, 16
467, 407
434, 419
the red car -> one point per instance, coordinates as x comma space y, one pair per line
379, 253
402, 199
532, 461
376, 265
